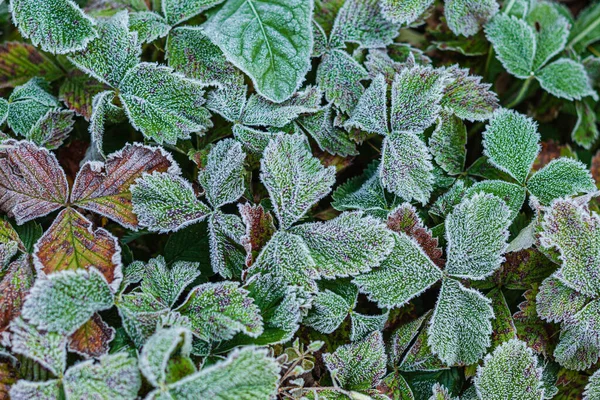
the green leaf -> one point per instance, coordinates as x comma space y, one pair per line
510, 372
52, 129
166, 284
25, 390
19, 62
405, 12
556, 302
273, 51
585, 131
362, 325
178, 11
406, 168
560, 178
147, 96
403, 337
66, 300
586, 29
246, 374
370, 114
28, 103
217, 311
359, 365
551, 31
223, 175
511, 143
460, 328
570, 228
579, 344
339, 76
294, 178
592, 390
476, 232
468, 98
329, 138
226, 253
447, 143
3, 110
148, 25
514, 44
405, 274
465, 17
165, 202
416, 96
346, 245
512, 194
112, 54
113, 376
566, 79
328, 311
155, 355
58, 26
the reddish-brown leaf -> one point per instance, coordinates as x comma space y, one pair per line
19, 62
92, 338
8, 376
104, 187
259, 229
405, 219
70, 244
32, 183
530, 328
78, 91
14, 287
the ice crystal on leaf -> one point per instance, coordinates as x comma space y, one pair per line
404, 12
148, 25
559, 178
465, 17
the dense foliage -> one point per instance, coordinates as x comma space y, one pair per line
299, 199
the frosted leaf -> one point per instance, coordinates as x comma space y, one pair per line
339, 76
556, 302
148, 25
361, 21
164, 202
225, 232
25, 390
246, 374
468, 98
77, 92
346, 245
103, 111
420, 357
22, 61
253, 141
403, 337
52, 129
262, 112
460, 327
362, 325
510, 372
112, 376
363, 192
321, 44
32, 182
405, 274
465, 17
503, 325
514, 44
191, 52
92, 339
560, 178
157, 351
566, 79
551, 31
28, 103
592, 389
406, 168
259, 229
66, 300
16, 281
294, 178
58, 26
370, 114
178, 11
114, 52
476, 232
447, 143
276, 32
404, 12
379, 62
359, 365
228, 101
439, 392
511, 143
217, 311
416, 96
105, 187
569, 228
329, 138
286, 256
71, 243
47, 348
512, 194
579, 344
223, 175
140, 314
3, 110
586, 30
166, 284
10, 243
329, 309
147, 96
585, 132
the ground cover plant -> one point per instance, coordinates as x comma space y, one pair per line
299, 199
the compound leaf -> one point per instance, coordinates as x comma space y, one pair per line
512, 194
328, 311
329, 138
566, 79
28, 103
560, 178
514, 44
363, 192
166, 284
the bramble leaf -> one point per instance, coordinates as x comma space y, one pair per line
26, 390
273, 51
155, 355
103, 111
511, 143
512, 194
226, 254
14, 286
328, 311
148, 25
560, 178
468, 98
579, 344
177, 11
460, 327
52, 129
259, 229
77, 92
362, 325
166, 284
592, 390
294, 178
447, 143
92, 338
19, 62
28, 103
551, 31
370, 114
164, 202
223, 176
147, 91
510, 372
58, 26
465, 17
32, 182
514, 44
566, 79
405, 12
71, 244
556, 302
329, 138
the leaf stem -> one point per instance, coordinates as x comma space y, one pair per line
521, 95
510, 5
